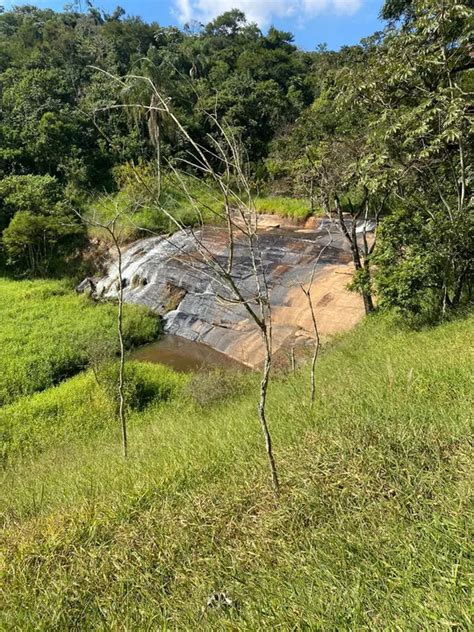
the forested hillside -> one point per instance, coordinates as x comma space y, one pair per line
379, 130
53, 98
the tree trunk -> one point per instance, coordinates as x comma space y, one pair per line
368, 302
311, 195
356, 258
262, 411
292, 360
121, 381
317, 342
154, 133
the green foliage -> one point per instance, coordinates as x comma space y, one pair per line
48, 334
82, 407
419, 119
423, 263
144, 383
371, 529
38, 195
143, 210
40, 233
296, 208
38, 244
396, 9
59, 113
389, 130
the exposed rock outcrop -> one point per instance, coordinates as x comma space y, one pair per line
167, 275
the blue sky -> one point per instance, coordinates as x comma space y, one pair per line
335, 22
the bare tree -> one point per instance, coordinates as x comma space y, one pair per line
114, 229
341, 179
242, 226
222, 164
307, 288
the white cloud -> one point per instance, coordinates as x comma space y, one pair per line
262, 11
184, 10
347, 6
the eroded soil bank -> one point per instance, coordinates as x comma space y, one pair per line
165, 274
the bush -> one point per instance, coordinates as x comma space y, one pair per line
143, 383
39, 232
423, 263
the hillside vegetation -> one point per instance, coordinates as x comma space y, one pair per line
370, 532
48, 333
108, 115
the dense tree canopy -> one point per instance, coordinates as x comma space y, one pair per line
54, 116
379, 131
390, 139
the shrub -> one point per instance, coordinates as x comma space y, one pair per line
144, 383
39, 232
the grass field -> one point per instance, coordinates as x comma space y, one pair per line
371, 531
47, 333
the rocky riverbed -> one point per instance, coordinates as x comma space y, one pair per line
168, 275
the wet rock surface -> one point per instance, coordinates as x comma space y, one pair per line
168, 275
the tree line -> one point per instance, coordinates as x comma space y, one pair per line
378, 133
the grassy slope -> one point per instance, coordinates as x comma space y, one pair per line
371, 531
81, 408
46, 331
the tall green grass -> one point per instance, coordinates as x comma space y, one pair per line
82, 408
47, 333
370, 533
295, 208
205, 206
141, 215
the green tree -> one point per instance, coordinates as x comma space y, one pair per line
39, 233
418, 93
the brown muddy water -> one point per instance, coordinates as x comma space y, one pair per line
185, 355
